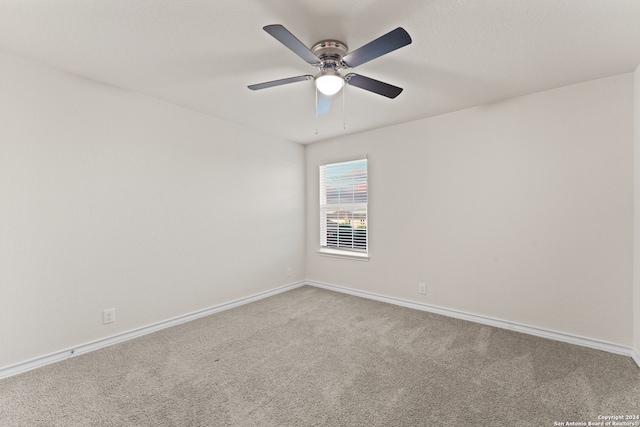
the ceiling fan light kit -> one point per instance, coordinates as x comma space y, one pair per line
331, 56
329, 82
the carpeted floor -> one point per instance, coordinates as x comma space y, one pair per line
311, 357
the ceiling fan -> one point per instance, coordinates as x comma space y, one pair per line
331, 56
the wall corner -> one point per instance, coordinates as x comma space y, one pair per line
636, 214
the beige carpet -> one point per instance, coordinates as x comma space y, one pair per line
310, 357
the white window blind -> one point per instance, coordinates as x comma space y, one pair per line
343, 205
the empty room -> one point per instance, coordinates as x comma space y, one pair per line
299, 213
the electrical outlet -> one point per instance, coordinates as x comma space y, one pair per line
289, 272
422, 288
109, 316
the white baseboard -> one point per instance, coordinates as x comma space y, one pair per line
503, 324
125, 336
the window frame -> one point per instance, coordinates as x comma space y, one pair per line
337, 251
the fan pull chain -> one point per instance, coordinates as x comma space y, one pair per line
344, 114
316, 111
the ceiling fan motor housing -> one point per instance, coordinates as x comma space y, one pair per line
330, 52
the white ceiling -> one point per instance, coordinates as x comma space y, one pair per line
202, 54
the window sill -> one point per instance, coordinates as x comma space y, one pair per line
337, 253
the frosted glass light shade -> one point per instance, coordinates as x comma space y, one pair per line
329, 83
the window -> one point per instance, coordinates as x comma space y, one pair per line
343, 206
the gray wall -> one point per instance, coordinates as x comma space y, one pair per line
110, 199
520, 210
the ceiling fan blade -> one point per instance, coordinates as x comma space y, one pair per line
382, 45
280, 82
285, 37
324, 103
372, 85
